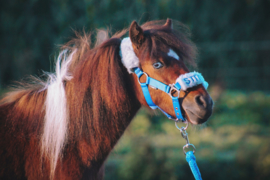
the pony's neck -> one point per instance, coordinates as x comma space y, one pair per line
102, 101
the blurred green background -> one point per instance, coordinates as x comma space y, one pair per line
233, 38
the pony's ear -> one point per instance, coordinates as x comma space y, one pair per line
136, 34
168, 24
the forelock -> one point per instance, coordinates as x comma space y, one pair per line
177, 39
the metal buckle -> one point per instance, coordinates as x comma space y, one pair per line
173, 90
174, 119
185, 136
153, 87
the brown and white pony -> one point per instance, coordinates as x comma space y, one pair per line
65, 128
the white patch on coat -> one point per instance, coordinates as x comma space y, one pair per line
128, 56
173, 54
56, 120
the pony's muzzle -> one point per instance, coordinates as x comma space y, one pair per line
198, 108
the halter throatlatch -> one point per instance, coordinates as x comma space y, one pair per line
183, 82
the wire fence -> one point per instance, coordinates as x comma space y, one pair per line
244, 78
250, 78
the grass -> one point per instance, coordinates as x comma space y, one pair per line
234, 144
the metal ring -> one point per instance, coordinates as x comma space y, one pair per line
141, 76
173, 88
188, 145
182, 128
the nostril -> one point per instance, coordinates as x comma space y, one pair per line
200, 101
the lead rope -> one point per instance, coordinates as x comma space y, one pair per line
190, 157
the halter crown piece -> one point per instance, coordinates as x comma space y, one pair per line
183, 82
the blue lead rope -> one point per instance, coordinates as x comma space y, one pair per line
191, 159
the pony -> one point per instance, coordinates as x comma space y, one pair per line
65, 126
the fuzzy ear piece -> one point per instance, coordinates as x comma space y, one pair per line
136, 34
168, 24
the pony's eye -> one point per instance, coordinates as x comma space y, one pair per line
157, 65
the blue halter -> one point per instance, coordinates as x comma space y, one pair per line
188, 80
163, 87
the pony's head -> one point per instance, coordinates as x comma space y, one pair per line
162, 54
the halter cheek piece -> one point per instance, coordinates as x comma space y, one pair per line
183, 82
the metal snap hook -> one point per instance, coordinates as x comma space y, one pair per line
185, 136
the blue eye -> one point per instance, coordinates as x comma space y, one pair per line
157, 65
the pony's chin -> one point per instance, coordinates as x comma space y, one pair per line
195, 119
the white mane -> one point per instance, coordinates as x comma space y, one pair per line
56, 116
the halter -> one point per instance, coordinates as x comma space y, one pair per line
190, 80
183, 82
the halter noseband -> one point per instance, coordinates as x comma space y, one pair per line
183, 82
